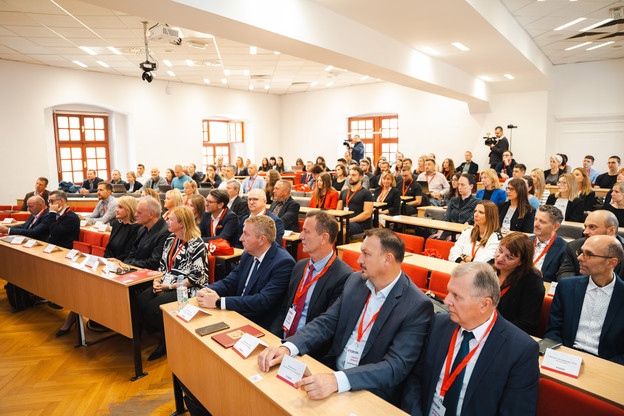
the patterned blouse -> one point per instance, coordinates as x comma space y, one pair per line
186, 258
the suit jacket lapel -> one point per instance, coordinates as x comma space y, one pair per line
320, 284
614, 306
354, 309
577, 299
262, 269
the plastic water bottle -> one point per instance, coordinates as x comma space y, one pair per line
506, 225
182, 292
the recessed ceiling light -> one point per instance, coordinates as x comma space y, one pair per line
113, 50
364, 78
573, 22
253, 50
206, 80
329, 68
430, 51
330, 83
276, 52
227, 72
266, 86
251, 87
600, 46
509, 76
167, 62
80, 64
171, 73
223, 81
486, 78
460, 46
87, 50
246, 72
104, 64
313, 84
577, 46
585, 29
189, 62
196, 45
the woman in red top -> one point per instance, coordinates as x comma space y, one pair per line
324, 196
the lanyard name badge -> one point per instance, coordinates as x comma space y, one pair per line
354, 351
173, 256
349, 197
552, 240
292, 311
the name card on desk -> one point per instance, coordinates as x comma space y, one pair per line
188, 312
83, 223
8, 221
101, 227
291, 370
49, 249
18, 240
31, 243
91, 262
562, 363
553, 287
73, 254
246, 344
287, 233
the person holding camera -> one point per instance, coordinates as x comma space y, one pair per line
357, 148
498, 147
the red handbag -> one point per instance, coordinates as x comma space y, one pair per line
302, 187
432, 252
219, 247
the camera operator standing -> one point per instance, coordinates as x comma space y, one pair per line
497, 148
357, 149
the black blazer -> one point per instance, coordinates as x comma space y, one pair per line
524, 224
137, 185
574, 212
44, 195
240, 207
393, 199
120, 241
553, 259
40, 231
289, 214
87, 185
227, 228
521, 304
147, 248
589, 201
65, 230
473, 169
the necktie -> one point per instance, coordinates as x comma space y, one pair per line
452, 395
300, 303
254, 269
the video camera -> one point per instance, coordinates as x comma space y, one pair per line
347, 143
490, 140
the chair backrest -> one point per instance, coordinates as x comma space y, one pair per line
105, 238
211, 268
413, 243
4, 215
557, 399
82, 246
98, 251
300, 254
436, 214
443, 247
20, 216
438, 282
93, 237
350, 257
6, 207
418, 274
544, 315
570, 231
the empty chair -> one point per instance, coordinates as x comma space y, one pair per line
20, 216
413, 243
82, 247
557, 399
98, 251
417, 274
570, 231
5, 207
351, 257
93, 237
443, 247
544, 315
438, 282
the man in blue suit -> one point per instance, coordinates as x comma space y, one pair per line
256, 287
501, 377
376, 328
256, 200
587, 312
550, 249
37, 225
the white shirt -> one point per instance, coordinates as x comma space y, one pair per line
465, 246
593, 314
478, 332
539, 247
562, 204
436, 182
248, 276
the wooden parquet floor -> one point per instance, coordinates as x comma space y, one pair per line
44, 375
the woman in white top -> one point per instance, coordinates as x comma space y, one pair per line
480, 242
567, 200
539, 185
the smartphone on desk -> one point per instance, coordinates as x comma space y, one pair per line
546, 343
209, 329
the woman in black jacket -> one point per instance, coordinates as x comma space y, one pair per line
567, 200
516, 210
388, 193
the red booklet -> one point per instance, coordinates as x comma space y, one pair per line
231, 337
138, 275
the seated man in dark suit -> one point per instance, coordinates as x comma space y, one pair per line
549, 248
237, 204
37, 225
218, 221
256, 201
256, 287
600, 222
505, 168
315, 283
40, 190
64, 223
89, 186
286, 208
587, 312
147, 248
377, 327
468, 166
502, 376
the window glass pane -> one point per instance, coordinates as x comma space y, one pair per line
101, 163
103, 174
66, 164
88, 122
78, 176
218, 132
99, 135
62, 122
99, 123
369, 124
385, 147
89, 135
368, 147
385, 133
90, 152
67, 176
91, 164
101, 152
76, 153
75, 135
65, 153
385, 123
74, 122
209, 151
394, 147
75, 165
63, 134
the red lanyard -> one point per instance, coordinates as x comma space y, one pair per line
474, 252
360, 332
350, 197
403, 187
504, 291
59, 218
104, 208
448, 379
172, 256
427, 177
300, 292
382, 195
252, 182
218, 219
40, 193
552, 240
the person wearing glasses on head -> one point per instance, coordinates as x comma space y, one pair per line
586, 312
566, 198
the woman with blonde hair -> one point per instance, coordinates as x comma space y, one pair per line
480, 242
184, 254
124, 229
539, 185
491, 190
150, 192
241, 169
586, 193
324, 196
388, 192
173, 199
190, 189
566, 199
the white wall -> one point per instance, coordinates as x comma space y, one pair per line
150, 126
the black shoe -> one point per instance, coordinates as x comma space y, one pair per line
62, 332
95, 327
54, 305
160, 350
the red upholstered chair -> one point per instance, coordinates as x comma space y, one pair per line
83, 209
211, 268
557, 399
438, 282
16, 207
5, 207
82, 235
20, 216
98, 251
301, 225
298, 176
443, 247
4, 215
83, 247
350, 257
413, 243
93, 237
105, 238
418, 274
544, 315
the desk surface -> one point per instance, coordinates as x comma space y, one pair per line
334, 212
219, 377
426, 222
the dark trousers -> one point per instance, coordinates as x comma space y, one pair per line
149, 308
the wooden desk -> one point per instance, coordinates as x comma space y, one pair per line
230, 258
422, 211
86, 292
219, 378
426, 222
340, 215
292, 244
376, 206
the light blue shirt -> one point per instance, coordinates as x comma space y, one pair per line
593, 174
250, 183
178, 183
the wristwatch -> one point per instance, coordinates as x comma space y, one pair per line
218, 303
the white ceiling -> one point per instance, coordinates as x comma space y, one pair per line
49, 32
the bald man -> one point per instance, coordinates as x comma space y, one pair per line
180, 178
256, 201
37, 225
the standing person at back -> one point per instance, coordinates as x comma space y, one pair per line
357, 148
496, 150
359, 200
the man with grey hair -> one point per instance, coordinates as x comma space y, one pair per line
587, 312
256, 201
600, 222
549, 247
237, 204
495, 367
284, 206
227, 172
147, 248
37, 225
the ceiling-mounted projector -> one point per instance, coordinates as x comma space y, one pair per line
165, 33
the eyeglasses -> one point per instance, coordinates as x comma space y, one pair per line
589, 255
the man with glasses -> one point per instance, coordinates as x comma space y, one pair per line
587, 312
256, 201
218, 221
